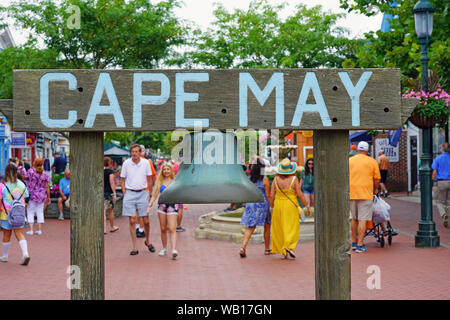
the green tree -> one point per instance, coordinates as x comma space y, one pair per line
260, 38
152, 140
24, 57
400, 47
111, 34
119, 33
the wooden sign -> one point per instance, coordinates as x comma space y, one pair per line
163, 100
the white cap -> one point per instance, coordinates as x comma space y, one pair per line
363, 146
142, 148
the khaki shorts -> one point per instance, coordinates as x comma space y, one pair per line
361, 209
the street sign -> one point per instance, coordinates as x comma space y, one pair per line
163, 100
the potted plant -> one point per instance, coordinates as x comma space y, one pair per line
433, 105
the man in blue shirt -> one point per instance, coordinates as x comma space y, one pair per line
59, 164
441, 173
64, 192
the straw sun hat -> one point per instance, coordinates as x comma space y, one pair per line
286, 167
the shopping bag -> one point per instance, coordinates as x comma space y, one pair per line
380, 210
383, 203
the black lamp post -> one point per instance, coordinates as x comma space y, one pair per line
427, 236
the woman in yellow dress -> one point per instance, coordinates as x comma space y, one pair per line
286, 216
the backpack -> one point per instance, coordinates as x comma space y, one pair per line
16, 215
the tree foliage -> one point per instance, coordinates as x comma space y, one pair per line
24, 57
400, 47
119, 33
260, 38
152, 140
111, 34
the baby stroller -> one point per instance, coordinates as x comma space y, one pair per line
379, 218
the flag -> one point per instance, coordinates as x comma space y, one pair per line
394, 137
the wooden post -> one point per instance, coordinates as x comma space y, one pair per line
332, 208
86, 214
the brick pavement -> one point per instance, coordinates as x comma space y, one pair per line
210, 269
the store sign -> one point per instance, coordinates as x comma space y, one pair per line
307, 133
18, 139
390, 151
30, 140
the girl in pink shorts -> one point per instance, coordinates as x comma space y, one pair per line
167, 213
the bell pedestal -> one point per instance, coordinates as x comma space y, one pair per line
216, 226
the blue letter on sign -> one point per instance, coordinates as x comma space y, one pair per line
45, 79
354, 92
182, 97
104, 84
246, 82
139, 99
311, 83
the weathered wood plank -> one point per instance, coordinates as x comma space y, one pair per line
408, 105
6, 107
332, 207
222, 96
86, 214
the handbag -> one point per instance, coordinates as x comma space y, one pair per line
300, 210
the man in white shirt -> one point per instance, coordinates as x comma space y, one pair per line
134, 178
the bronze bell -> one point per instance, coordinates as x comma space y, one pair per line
210, 177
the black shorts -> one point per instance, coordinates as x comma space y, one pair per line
383, 174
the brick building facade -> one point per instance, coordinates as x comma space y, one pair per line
397, 180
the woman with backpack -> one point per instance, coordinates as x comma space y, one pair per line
12, 213
39, 194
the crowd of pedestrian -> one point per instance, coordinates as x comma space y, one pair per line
141, 184
25, 194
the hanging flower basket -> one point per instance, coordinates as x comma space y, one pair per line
423, 122
433, 108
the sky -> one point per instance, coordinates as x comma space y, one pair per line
201, 12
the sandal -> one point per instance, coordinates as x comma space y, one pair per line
150, 247
267, 252
114, 230
242, 253
291, 253
133, 253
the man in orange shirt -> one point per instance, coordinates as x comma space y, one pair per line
383, 163
364, 180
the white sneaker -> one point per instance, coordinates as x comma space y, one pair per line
39, 232
29, 232
61, 217
4, 259
25, 261
174, 254
163, 252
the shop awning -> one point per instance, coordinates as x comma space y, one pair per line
360, 136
